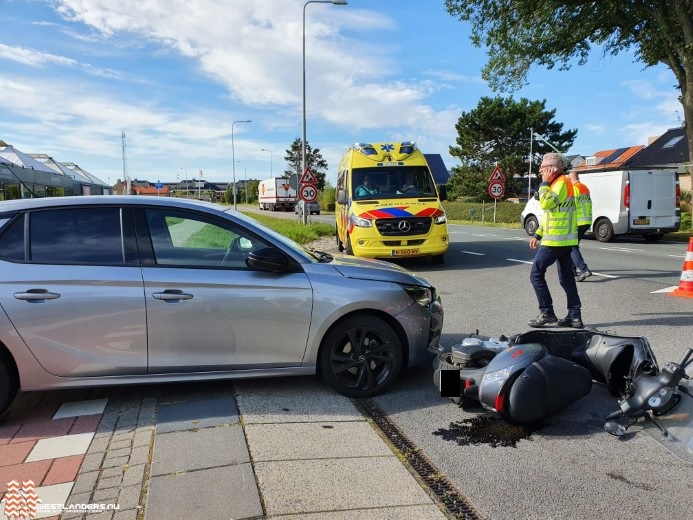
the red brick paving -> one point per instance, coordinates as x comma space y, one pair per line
35, 471
43, 429
85, 424
63, 470
14, 453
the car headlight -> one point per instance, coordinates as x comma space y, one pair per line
440, 219
421, 295
362, 222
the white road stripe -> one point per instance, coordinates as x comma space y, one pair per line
667, 290
473, 253
519, 261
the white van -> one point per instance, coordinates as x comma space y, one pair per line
625, 202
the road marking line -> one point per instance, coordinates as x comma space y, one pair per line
473, 253
519, 261
620, 249
667, 290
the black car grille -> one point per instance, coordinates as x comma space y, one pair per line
401, 227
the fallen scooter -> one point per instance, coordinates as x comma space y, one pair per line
533, 375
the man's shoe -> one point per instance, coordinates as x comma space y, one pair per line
543, 319
576, 323
584, 275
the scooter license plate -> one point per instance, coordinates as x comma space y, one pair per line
405, 252
641, 221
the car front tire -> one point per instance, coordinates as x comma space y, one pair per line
9, 384
361, 356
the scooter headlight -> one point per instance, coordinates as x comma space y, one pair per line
362, 222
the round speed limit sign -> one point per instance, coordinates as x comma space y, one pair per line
496, 189
308, 192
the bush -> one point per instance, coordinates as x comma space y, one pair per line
506, 212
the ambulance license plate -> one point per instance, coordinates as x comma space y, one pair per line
641, 222
405, 252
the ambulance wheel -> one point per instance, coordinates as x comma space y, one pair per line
349, 249
603, 230
360, 356
340, 246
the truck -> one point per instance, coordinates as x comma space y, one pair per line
275, 194
625, 202
388, 205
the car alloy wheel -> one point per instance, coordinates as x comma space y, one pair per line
361, 356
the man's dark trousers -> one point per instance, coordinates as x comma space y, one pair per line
543, 259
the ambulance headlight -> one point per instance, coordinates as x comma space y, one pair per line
440, 219
362, 222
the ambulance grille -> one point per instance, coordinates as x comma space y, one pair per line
402, 227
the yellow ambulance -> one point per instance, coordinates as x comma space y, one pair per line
388, 205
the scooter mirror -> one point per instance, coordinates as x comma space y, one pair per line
615, 428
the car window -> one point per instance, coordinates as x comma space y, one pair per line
12, 239
76, 236
188, 239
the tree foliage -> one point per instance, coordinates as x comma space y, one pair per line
314, 161
520, 33
498, 132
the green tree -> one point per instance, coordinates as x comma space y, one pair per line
521, 33
314, 161
497, 131
253, 185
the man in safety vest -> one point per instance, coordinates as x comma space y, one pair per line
583, 207
558, 234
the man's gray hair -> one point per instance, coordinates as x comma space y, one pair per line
555, 159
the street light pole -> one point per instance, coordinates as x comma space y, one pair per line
186, 182
303, 144
245, 179
233, 159
529, 176
270, 151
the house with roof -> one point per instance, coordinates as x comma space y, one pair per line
441, 175
607, 159
670, 151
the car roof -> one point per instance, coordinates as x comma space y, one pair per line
48, 202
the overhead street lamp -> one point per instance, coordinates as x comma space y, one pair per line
303, 145
245, 178
186, 182
233, 159
270, 151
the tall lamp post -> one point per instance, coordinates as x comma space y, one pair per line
186, 182
245, 179
233, 159
270, 151
303, 144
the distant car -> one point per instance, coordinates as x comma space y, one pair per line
311, 208
104, 290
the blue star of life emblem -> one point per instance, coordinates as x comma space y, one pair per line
387, 147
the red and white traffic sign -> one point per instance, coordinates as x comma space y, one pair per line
308, 177
497, 175
308, 192
496, 189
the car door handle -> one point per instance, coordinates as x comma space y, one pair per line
172, 295
36, 295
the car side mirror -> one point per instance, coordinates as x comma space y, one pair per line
268, 259
443, 192
341, 197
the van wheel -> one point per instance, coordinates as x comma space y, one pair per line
653, 237
361, 356
340, 246
9, 384
349, 249
603, 230
531, 225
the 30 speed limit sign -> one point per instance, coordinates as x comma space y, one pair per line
496, 189
308, 192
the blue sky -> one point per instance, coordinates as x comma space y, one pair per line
174, 75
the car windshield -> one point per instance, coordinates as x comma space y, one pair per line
392, 182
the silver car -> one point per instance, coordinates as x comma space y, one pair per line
105, 290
